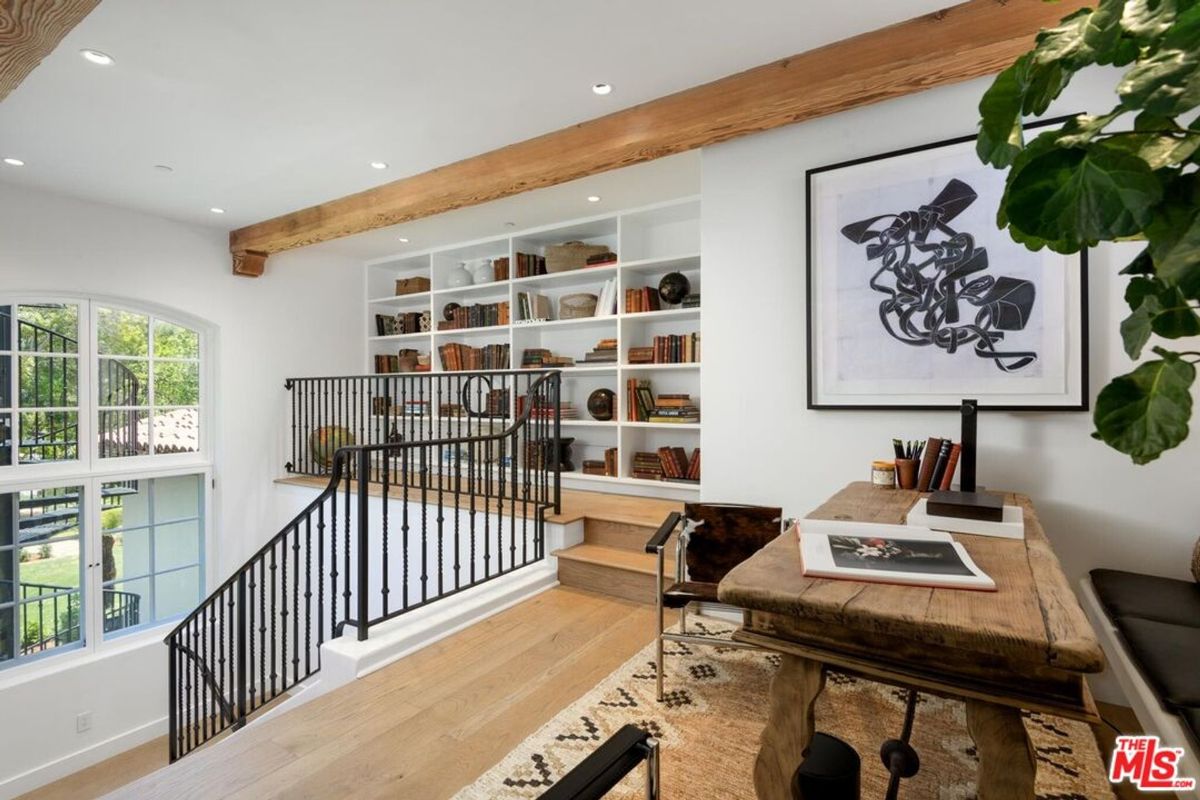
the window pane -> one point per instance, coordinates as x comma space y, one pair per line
52, 566
49, 436
8, 519
48, 328
48, 382
124, 609
6, 361
123, 432
122, 333
176, 592
8, 576
5, 327
174, 341
50, 621
124, 504
176, 383
177, 498
177, 430
5, 440
126, 555
176, 545
123, 383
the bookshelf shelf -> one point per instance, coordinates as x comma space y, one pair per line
651, 242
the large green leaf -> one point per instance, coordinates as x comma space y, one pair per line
1142, 264
1157, 308
1158, 150
1148, 19
1166, 83
1076, 197
1027, 87
1137, 327
1174, 236
1083, 38
1146, 412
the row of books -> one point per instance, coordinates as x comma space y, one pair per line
541, 358
606, 303
500, 268
529, 264
545, 410
639, 300
404, 361
456, 357
397, 324
639, 400
605, 352
606, 468
675, 349
479, 315
938, 463
674, 408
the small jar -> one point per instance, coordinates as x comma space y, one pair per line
883, 474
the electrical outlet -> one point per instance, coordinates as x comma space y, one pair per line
83, 722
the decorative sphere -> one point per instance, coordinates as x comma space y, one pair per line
448, 311
325, 441
600, 404
673, 287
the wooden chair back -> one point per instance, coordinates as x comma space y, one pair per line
723, 535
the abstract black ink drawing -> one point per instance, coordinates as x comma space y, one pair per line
928, 270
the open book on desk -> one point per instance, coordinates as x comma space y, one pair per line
902, 554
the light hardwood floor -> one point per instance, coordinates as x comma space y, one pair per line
422, 727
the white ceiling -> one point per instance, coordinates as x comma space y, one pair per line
266, 106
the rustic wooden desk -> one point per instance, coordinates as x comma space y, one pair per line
1027, 645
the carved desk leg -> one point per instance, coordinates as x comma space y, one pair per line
790, 726
1007, 762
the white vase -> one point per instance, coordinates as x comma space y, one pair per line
458, 277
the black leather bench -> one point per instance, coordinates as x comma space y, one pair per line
1158, 620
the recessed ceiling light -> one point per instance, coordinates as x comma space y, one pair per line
96, 57
402, 240
593, 198
217, 210
163, 168
601, 88
379, 165
14, 162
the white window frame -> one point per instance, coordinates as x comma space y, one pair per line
90, 472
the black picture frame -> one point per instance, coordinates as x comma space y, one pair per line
1081, 397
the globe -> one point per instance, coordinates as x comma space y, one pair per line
673, 287
325, 441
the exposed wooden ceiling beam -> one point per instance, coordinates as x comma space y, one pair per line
965, 41
30, 30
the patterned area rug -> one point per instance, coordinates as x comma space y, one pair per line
715, 709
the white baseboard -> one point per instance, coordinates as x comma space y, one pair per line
81, 759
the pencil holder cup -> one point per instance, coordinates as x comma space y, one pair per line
906, 473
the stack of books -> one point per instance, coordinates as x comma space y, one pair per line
605, 352
639, 300
677, 467
450, 410
639, 400
529, 265
606, 304
457, 357
396, 324
691, 300
500, 268
647, 466
674, 408
533, 307
386, 363
541, 358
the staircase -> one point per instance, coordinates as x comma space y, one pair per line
612, 559
437, 483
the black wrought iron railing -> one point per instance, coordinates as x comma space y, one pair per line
51, 615
417, 508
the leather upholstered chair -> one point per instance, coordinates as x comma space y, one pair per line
713, 538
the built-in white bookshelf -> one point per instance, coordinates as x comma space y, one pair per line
650, 242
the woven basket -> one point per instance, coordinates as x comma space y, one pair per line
570, 255
577, 306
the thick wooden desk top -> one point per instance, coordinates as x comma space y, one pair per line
1031, 627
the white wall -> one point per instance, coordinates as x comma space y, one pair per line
304, 317
762, 445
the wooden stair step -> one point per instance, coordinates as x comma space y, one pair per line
622, 535
613, 571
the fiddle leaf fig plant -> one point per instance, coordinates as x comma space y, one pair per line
1127, 175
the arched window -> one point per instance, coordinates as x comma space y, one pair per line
104, 471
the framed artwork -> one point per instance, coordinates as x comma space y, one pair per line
917, 300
